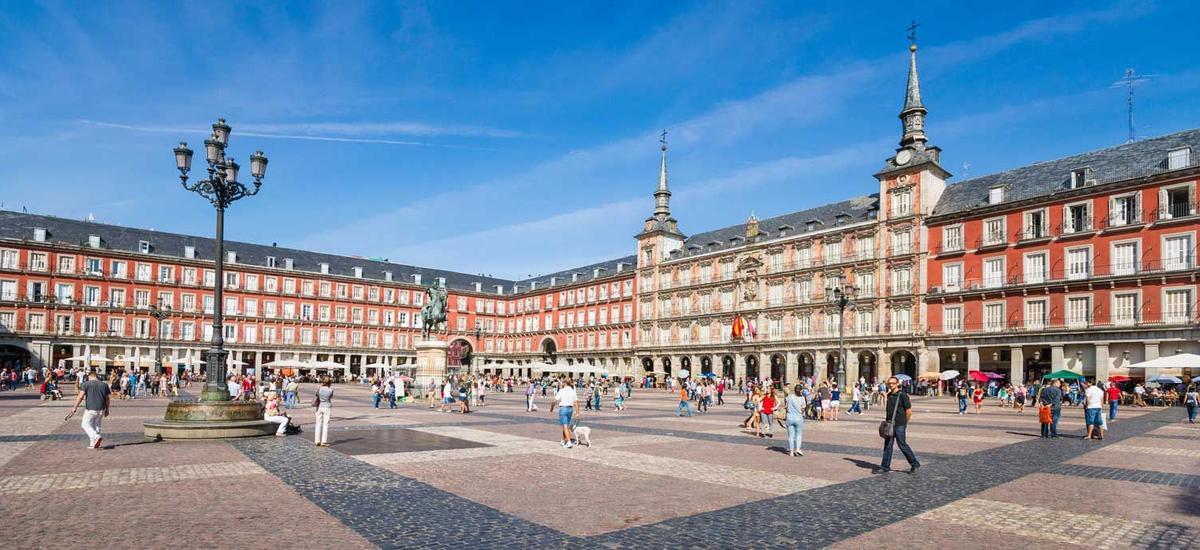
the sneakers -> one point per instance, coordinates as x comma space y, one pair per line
570, 444
99, 440
913, 470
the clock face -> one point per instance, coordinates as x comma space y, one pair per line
903, 157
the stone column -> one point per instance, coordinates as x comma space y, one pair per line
973, 358
739, 367
883, 364
1058, 359
851, 368
1103, 362
1016, 365
928, 361
792, 368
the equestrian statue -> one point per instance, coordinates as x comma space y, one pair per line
433, 313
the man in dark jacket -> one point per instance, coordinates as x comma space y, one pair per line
1051, 396
898, 411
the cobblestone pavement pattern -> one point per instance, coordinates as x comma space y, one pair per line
497, 478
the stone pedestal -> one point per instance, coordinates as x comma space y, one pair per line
431, 362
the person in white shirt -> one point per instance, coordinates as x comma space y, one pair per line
1093, 403
565, 399
447, 396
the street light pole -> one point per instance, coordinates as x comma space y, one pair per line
841, 300
158, 312
221, 189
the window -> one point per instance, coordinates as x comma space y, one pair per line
1178, 252
91, 325
901, 320
8, 259
996, 195
144, 247
993, 317
8, 321
116, 297
864, 322
92, 266
1079, 262
117, 270
952, 238
1077, 218
864, 247
901, 242
1125, 309
901, 204
993, 272
774, 295
1124, 211
902, 281
37, 261
1179, 158
803, 256
1035, 268
1079, 309
8, 290
143, 272
1035, 225
1177, 305
1035, 314
993, 231
1125, 258
803, 325
1082, 177
252, 282
865, 283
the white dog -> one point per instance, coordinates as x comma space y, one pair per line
583, 435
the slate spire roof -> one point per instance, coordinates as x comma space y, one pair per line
913, 114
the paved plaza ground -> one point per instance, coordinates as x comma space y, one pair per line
413, 477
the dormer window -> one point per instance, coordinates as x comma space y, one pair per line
357, 272
144, 247
1082, 177
736, 241
231, 257
39, 234
270, 261
784, 230
1179, 158
289, 263
996, 195
189, 252
324, 268
841, 219
94, 241
387, 276
713, 245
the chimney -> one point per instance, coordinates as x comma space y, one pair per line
416, 278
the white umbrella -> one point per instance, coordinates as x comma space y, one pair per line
187, 361
1177, 361
325, 365
949, 374
287, 363
142, 361
683, 373
90, 358
234, 362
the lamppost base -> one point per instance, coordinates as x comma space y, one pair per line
210, 420
214, 380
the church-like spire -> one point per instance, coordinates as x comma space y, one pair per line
662, 195
912, 115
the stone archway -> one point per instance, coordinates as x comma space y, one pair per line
751, 367
549, 350
706, 365
904, 362
685, 362
807, 366
728, 369
458, 354
15, 356
666, 365
868, 366
647, 364
778, 368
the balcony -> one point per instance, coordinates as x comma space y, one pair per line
993, 240
1176, 211
1099, 322
1033, 234
1078, 227
947, 248
1126, 219
1154, 268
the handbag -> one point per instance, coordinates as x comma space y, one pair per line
1045, 414
887, 428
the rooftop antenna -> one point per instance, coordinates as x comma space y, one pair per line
1129, 82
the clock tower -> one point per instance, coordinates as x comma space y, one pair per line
660, 233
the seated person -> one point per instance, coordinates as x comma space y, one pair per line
273, 412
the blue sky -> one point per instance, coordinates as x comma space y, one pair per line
502, 139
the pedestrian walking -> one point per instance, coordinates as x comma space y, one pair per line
977, 398
1113, 394
565, 399
1049, 407
529, 391
96, 397
376, 392
766, 410
898, 411
1192, 400
796, 404
324, 403
1093, 418
856, 400
684, 406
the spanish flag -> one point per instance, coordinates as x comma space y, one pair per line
743, 328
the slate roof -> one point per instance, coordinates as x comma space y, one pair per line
1123, 162
586, 273
16, 225
857, 209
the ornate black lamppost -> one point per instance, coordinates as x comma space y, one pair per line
221, 188
158, 312
839, 300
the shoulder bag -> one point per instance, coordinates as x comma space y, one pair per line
1045, 412
887, 428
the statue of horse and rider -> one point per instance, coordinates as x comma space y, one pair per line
433, 313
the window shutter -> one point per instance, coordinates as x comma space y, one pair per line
1162, 204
